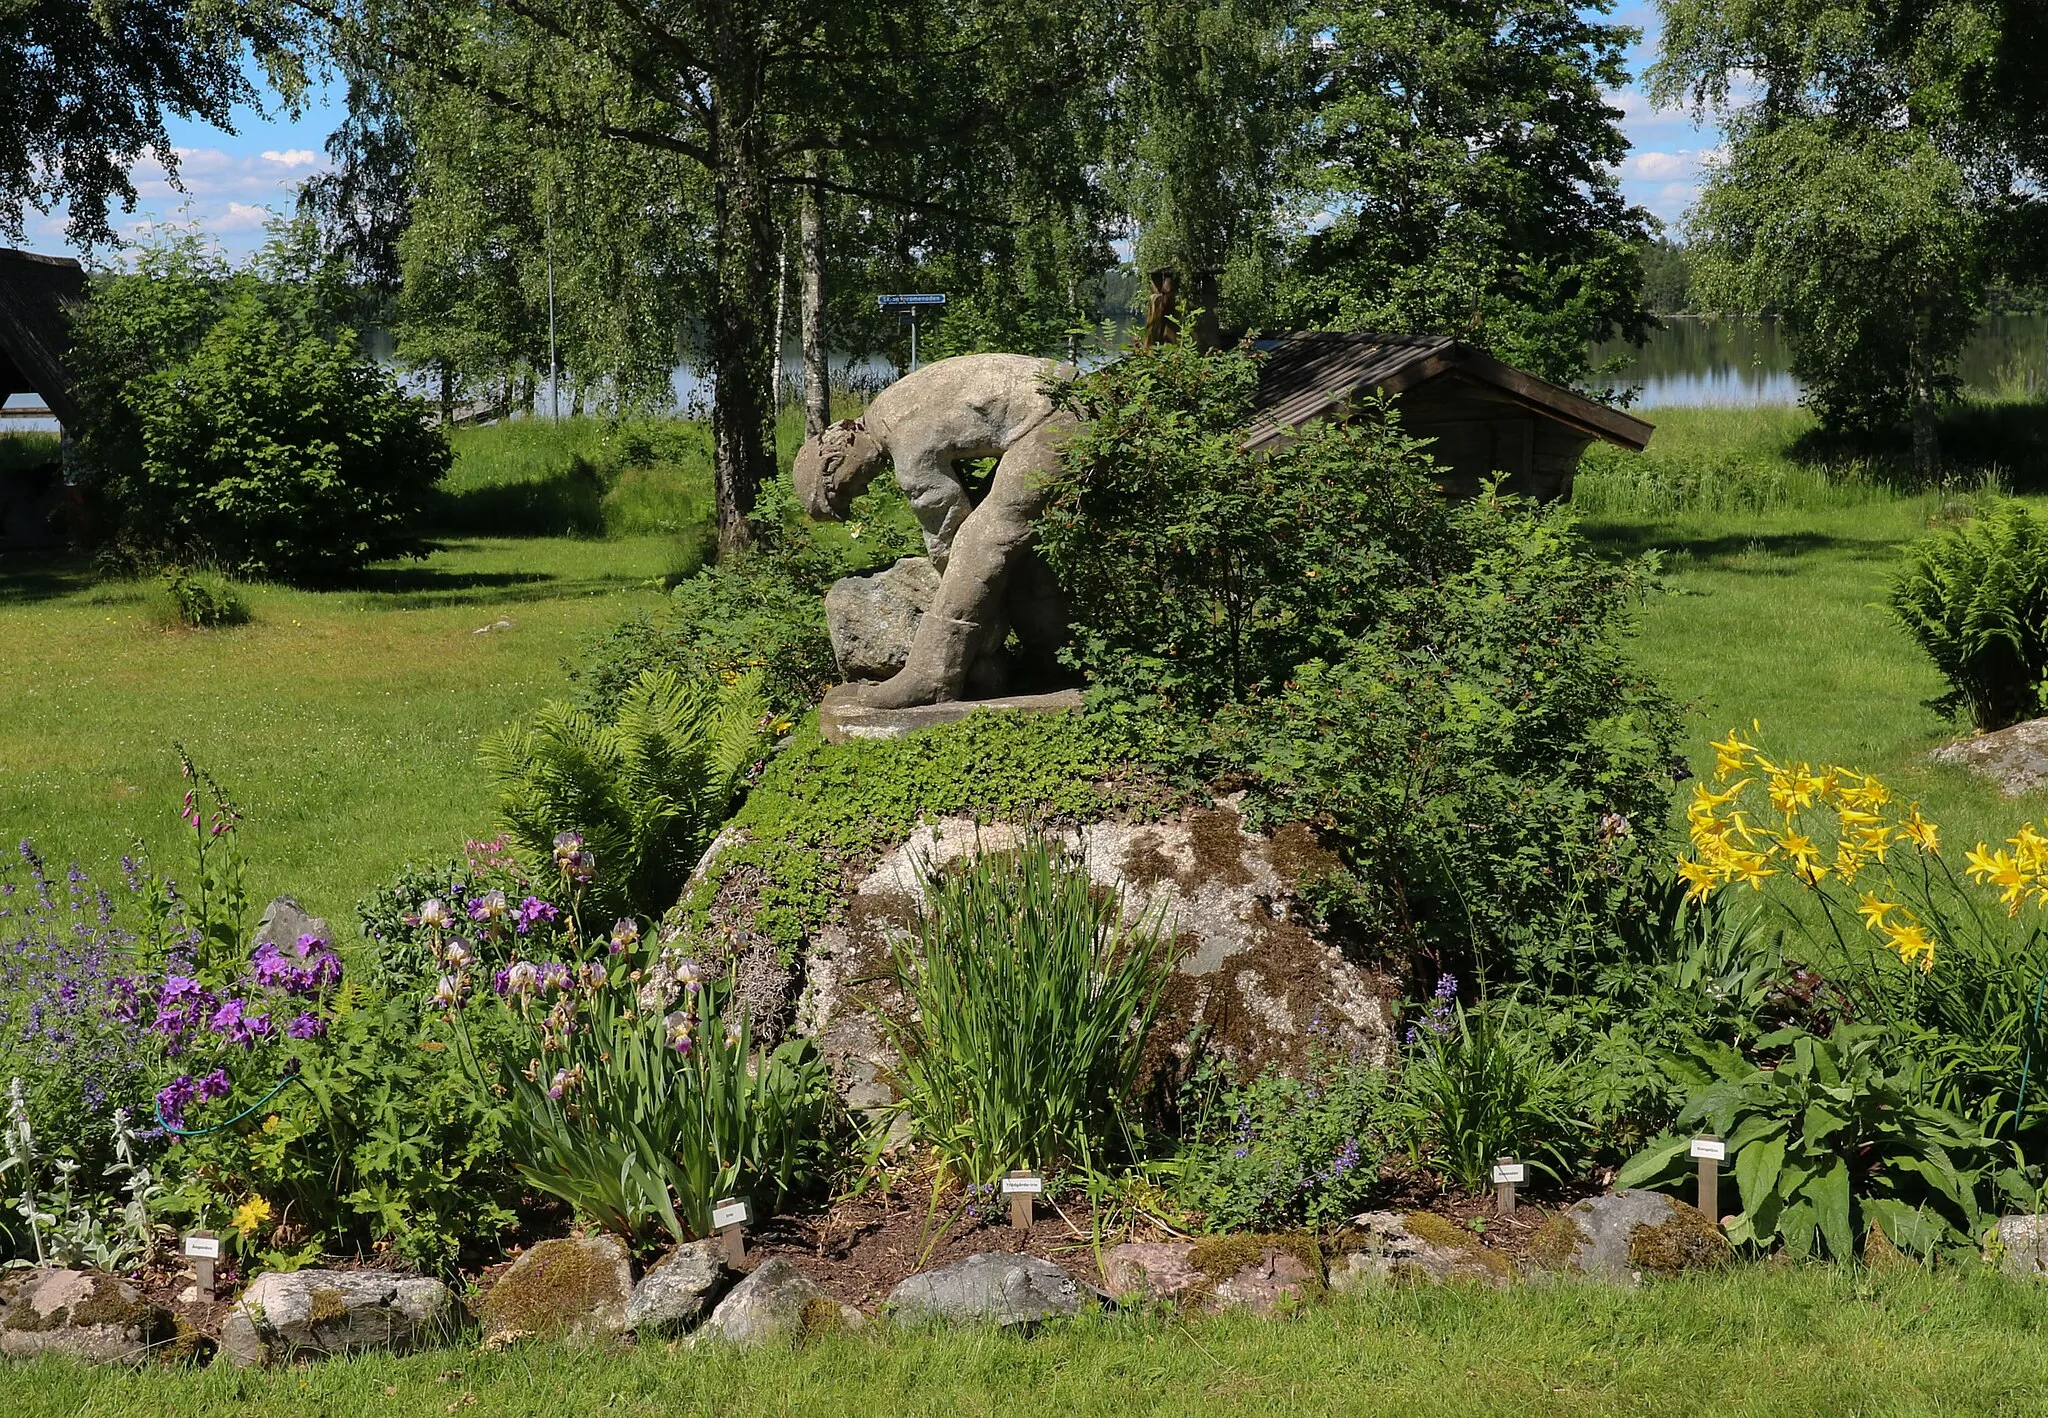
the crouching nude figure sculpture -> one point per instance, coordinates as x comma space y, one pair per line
991, 580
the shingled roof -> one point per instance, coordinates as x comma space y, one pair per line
1307, 375
34, 328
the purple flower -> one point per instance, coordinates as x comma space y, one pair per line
307, 1026
215, 1085
535, 912
176, 1096
501, 980
488, 907
233, 1025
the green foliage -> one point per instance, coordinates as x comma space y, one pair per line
228, 421
1831, 1138
1667, 276
646, 786
200, 600
1466, 154
1031, 1001
1976, 598
1481, 1085
820, 810
1286, 1149
1201, 573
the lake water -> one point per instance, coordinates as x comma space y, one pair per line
1693, 361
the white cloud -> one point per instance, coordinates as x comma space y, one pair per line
241, 216
1655, 167
292, 157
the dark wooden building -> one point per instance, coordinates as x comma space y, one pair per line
36, 293
1484, 416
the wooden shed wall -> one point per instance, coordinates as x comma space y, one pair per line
1478, 432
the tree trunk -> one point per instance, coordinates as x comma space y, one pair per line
1926, 436
817, 356
447, 393
742, 422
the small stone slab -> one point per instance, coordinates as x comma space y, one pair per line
777, 1304
1623, 1236
86, 1314
284, 921
679, 1290
1414, 1248
842, 717
317, 1314
2014, 760
996, 1288
574, 1288
1262, 1279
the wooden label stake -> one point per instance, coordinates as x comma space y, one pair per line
1711, 1152
1020, 1187
730, 1217
202, 1248
1507, 1175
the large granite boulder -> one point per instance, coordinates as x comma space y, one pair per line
1257, 979
679, 1290
777, 1304
574, 1288
995, 1288
315, 1314
2018, 1246
2013, 760
86, 1314
873, 619
1413, 1248
1261, 1274
1627, 1235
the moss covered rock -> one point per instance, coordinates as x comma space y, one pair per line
317, 1314
1624, 1236
776, 1304
575, 1288
87, 1314
1413, 1248
1230, 1272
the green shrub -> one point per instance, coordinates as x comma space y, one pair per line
1479, 1085
646, 787
1828, 1137
228, 419
1031, 1003
1285, 1150
1976, 598
201, 600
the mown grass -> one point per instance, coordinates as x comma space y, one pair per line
1756, 1342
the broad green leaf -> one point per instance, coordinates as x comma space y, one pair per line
1756, 1171
1830, 1195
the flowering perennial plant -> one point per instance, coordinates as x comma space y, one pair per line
635, 1094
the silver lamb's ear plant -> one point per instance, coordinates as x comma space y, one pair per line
21, 1153
138, 1181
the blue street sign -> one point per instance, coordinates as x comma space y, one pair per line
904, 302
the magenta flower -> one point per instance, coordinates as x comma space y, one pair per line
534, 912
307, 1026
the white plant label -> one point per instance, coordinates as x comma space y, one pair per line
203, 1247
1509, 1172
1710, 1149
1028, 1186
724, 1216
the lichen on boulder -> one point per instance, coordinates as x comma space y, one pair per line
577, 1287
1626, 1235
304, 1314
86, 1314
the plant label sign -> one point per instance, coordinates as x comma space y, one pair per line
1510, 1174
1026, 1186
1710, 1149
1020, 1187
733, 1213
202, 1247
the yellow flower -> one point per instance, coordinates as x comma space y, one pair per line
2000, 869
1699, 878
1868, 794
1874, 911
1804, 856
1921, 833
2031, 849
1730, 755
1794, 788
1912, 943
250, 1216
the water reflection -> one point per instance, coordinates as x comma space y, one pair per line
1693, 361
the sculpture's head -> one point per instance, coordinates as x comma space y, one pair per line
834, 468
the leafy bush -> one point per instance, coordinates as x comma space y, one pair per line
1032, 999
1828, 1139
1286, 1150
200, 600
1976, 598
229, 418
633, 1092
645, 787
1476, 1086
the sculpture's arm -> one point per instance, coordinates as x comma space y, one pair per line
925, 473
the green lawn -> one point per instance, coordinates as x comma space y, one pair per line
344, 722
1758, 1342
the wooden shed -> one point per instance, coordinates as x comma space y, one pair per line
36, 294
1484, 416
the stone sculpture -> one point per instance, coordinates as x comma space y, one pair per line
990, 578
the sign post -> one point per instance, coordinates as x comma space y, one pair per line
1020, 1187
202, 1248
729, 1218
1711, 1152
1507, 1175
907, 308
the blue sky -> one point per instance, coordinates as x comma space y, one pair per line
234, 182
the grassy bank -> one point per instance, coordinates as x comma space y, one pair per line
1757, 1342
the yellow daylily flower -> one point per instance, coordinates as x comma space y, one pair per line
1730, 754
1874, 910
